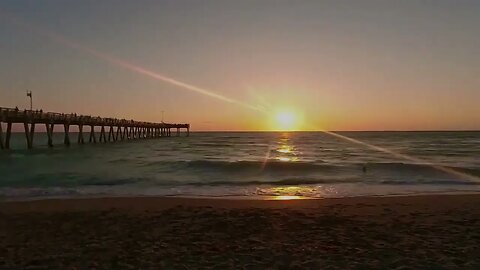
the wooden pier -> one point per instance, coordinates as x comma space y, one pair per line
111, 129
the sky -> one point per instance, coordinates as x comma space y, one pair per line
238, 65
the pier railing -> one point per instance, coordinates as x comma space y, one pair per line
118, 129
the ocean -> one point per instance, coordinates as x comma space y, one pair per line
246, 165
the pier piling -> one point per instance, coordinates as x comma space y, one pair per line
102, 135
8, 135
80, 134
66, 141
1, 137
117, 134
49, 128
28, 136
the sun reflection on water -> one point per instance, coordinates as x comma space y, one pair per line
286, 151
287, 197
288, 192
287, 159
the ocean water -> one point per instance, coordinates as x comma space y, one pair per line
246, 165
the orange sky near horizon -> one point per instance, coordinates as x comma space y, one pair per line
333, 65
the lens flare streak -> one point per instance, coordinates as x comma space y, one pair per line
123, 63
406, 157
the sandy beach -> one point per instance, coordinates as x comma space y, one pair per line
415, 232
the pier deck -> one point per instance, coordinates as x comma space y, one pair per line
118, 129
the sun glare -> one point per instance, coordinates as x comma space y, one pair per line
286, 120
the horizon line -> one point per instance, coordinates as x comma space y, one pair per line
307, 131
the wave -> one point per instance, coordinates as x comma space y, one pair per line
318, 181
287, 182
305, 167
418, 168
69, 180
95, 181
212, 144
429, 182
269, 165
281, 182
132, 182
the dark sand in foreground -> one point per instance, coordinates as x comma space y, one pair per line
433, 232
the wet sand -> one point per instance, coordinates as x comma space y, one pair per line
428, 232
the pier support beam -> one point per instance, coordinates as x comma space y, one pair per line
111, 136
92, 135
117, 135
49, 128
28, 135
188, 132
103, 137
80, 134
66, 141
32, 133
124, 133
1, 137
8, 135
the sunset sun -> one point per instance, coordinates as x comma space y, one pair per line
286, 120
